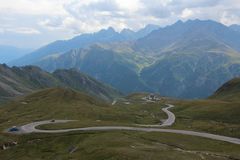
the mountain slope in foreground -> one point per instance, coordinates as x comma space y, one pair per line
58, 103
229, 91
219, 114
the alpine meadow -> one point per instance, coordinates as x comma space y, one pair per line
120, 80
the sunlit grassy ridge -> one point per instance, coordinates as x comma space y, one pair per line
211, 116
230, 91
58, 103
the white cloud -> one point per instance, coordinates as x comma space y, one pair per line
33, 7
64, 18
51, 24
20, 30
1, 30
229, 18
186, 13
24, 30
130, 5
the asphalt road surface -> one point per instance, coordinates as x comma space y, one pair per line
31, 128
167, 122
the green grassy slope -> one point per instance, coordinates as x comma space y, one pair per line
211, 116
119, 146
229, 91
58, 103
218, 114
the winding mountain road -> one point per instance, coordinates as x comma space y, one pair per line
167, 122
31, 128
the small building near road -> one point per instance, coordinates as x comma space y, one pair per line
153, 97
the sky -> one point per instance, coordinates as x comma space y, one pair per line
33, 23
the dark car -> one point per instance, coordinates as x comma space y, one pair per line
13, 129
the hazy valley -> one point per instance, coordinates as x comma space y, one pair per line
175, 61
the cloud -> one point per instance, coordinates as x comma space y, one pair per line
51, 19
186, 13
1, 30
33, 7
20, 30
230, 17
194, 4
92, 16
51, 24
24, 30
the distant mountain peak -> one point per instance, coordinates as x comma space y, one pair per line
109, 29
151, 25
179, 22
126, 30
199, 21
235, 27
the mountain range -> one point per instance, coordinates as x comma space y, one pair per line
103, 36
186, 60
17, 81
235, 27
193, 58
